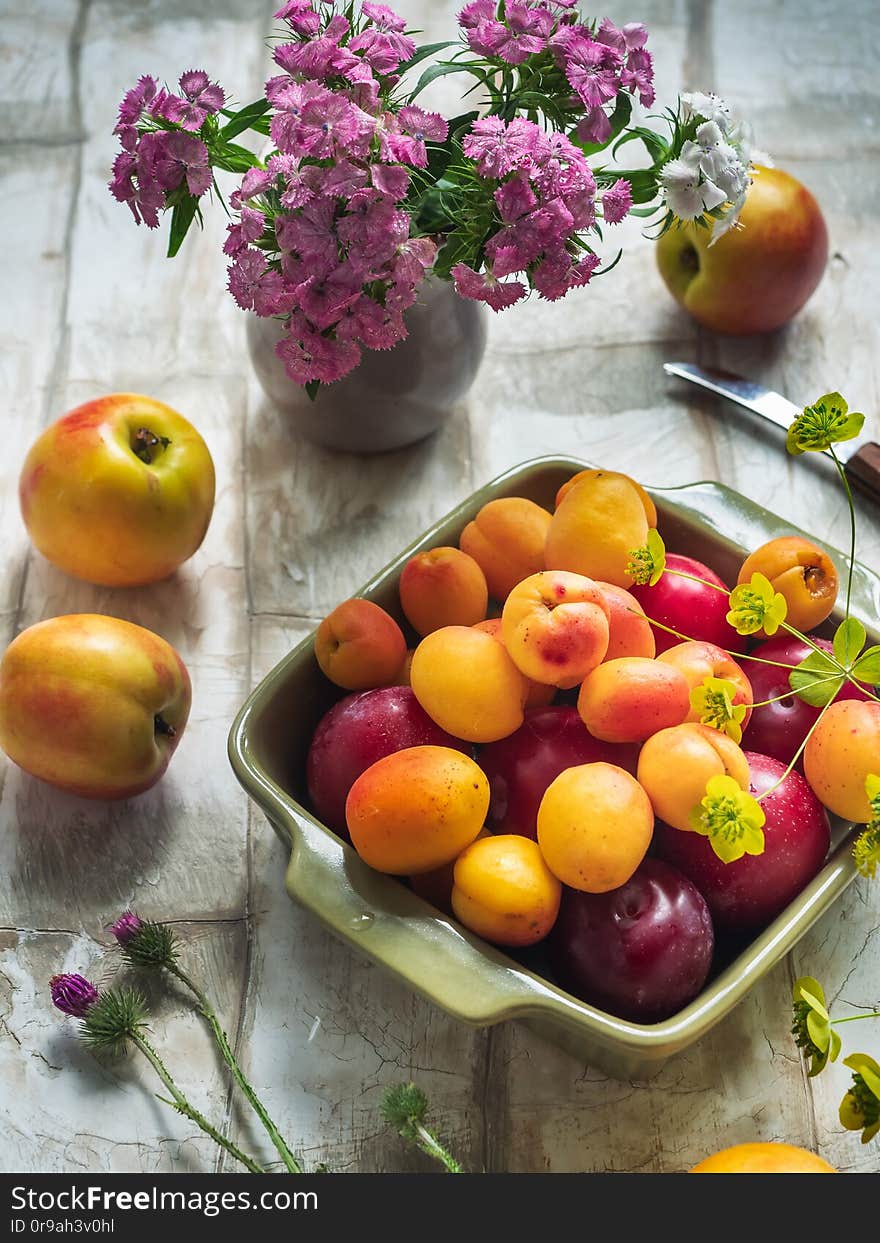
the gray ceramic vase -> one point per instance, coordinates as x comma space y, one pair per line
394, 397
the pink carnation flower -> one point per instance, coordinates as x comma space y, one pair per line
484, 287
638, 75
257, 288
199, 98
414, 256
308, 356
328, 127
311, 233
515, 198
183, 156
383, 50
523, 32
383, 17
626, 39
591, 71
324, 298
250, 227
594, 127
135, 102
557, 274
499, 148
617, 201
478, 11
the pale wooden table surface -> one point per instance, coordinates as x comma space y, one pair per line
91, 306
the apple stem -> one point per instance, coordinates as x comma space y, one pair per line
161, 726
145, 443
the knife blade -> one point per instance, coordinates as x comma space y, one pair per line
860, 458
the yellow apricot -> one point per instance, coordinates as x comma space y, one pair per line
504, 891
506, 539
467, 683
675, 765
600, 521
595, 824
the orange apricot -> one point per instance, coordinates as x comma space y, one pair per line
595, 824
631, 698
442, 587
417, 809
675, 765
769, 1157
843, 750
467, 683
599, 522
698, 661
630, 632
359, 646
649, 506
504, 891
506, 539
555, 627
539, 694
804, 574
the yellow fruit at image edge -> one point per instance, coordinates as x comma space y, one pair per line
93, 705
118, 492
763, 1158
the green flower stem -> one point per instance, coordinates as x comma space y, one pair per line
432, 1147
291, 1164
805, 638
183, 1106
854, 1018
852, 524
790, 694
695, 579
797, 755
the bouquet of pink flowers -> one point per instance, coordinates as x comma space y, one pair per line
363, 192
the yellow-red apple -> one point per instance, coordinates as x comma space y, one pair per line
752, 279
118, 491
92, 704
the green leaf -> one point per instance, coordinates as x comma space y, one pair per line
232, 158
643, 182
442, 71
550, 109
654, 143
423, 53
849, 639
867, 667
181, 218
243, 119
816, 679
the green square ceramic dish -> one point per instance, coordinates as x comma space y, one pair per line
456, 970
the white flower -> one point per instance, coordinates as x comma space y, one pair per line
687, 196
716, 159
695, 103
730, 220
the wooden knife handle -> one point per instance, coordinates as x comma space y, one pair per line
863, 470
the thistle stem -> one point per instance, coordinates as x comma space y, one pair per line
290, 1162
432, 1147
188, 1110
